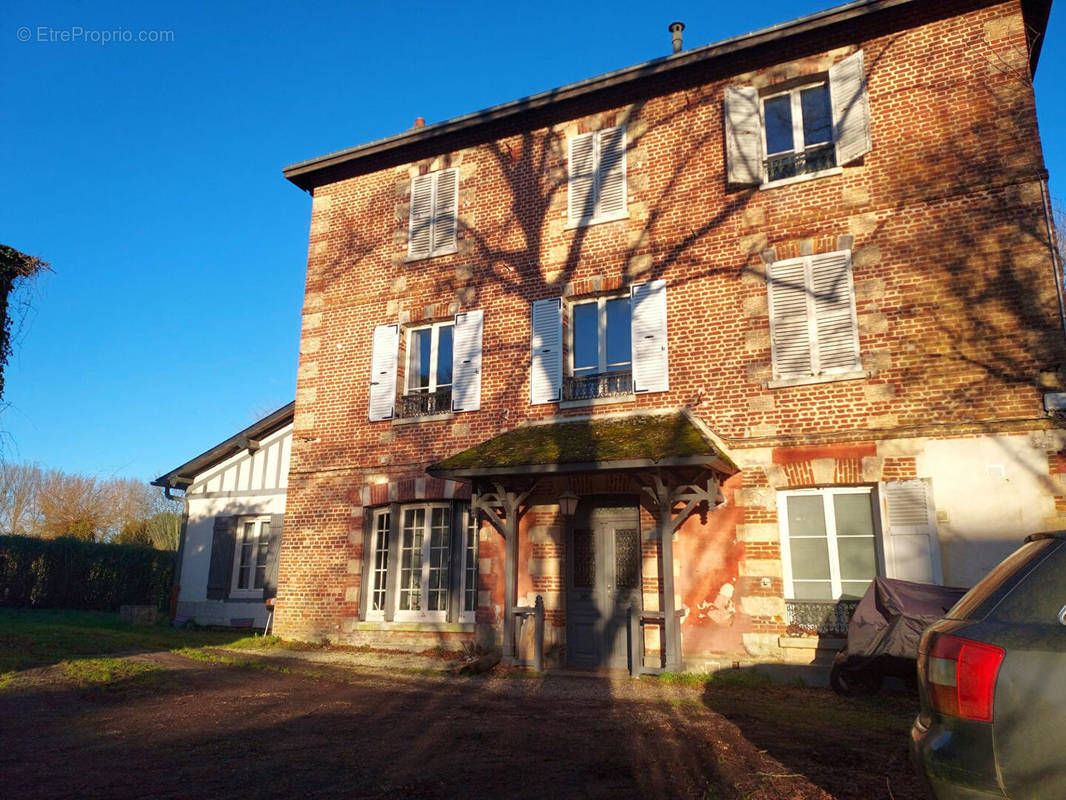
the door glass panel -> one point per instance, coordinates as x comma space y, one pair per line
817, 118
261, 555
586, 339
470, 565
627, 558
584, 557
854, 514
411, 536
778, 112
853, 590
806, 516
437, 599
813, 590
444, 356
418, 359
381, 562
858, 559
810, 559
619, 352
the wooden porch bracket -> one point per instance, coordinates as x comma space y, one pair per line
661, 493
510, 502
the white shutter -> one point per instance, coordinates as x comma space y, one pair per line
580, 184
421, 236
911, 549
611, 173
651, 368
790, 328
743, 135
445, 209
546, 352
836, 326
383, 372
466, 361
851, 108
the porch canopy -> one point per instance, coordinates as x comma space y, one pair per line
674, 462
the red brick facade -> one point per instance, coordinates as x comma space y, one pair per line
958, 318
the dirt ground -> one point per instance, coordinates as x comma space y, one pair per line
274, 728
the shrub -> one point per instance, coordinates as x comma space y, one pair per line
69, 573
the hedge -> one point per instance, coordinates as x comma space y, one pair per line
69, 573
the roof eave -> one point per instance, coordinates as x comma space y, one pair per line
711, 461
315, 172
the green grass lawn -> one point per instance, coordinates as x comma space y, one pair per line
42, 637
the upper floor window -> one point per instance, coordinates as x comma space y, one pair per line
801, 131
814, 330
441, 368
428, 377
596, 180
600, 349
434, 213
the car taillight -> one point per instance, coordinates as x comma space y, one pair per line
961, 675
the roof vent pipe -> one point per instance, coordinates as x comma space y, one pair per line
675, 29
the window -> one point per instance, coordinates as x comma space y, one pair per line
252, 542
428, 380
600, 349
596, 185
798, 126
814, 333
423, 576
798, 131
434, 210
828, 543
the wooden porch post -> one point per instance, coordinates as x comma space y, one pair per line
672, 624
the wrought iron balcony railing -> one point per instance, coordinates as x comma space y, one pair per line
821, 618
424, 404
591, 387
789, 165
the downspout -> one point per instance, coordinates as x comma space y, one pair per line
184, 500
1056, 267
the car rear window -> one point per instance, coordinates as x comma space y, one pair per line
1039, 596
977, 602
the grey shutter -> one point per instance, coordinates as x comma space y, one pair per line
546, 351
743, 135
836, 326
383, 372
790, 329
651, 367
270, 579
220, 572
466, 361
580, 184
851, 108
445, 209
420, 242
910, 543
611, 173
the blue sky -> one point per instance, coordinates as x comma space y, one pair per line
149, 175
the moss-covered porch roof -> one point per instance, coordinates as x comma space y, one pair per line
587, 445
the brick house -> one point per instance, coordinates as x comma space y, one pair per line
691, 351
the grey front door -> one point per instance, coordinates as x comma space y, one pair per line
603, 581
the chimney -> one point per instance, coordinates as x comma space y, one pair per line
420, 122
675, 29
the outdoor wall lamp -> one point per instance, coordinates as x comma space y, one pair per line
568, 503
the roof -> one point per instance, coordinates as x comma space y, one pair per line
657, 76
630, 442
181, 477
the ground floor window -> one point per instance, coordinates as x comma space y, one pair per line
422, 567
252, 545
828, 542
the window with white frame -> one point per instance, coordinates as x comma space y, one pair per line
798, 131
424, 576
829, 542
596, 176
252, 545
600, 348
428, 377
814, 329
434, 214
801, 129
